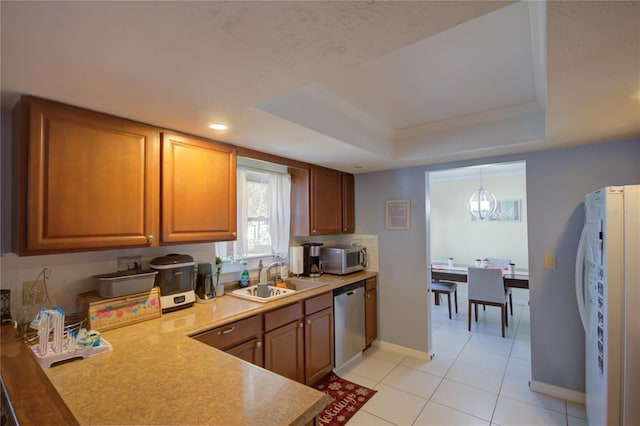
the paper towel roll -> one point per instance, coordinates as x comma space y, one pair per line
296, 260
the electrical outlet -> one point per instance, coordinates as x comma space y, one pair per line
129, 263
38, 289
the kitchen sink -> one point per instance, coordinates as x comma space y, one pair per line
251, 293
294, 285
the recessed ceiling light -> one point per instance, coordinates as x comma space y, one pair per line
218, 126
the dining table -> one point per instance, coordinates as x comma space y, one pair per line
458, 273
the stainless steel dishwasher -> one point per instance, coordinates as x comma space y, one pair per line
348, 308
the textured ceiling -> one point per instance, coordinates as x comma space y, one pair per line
378, 84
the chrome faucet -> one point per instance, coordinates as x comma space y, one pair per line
277, 264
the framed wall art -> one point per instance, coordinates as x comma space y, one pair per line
397, 214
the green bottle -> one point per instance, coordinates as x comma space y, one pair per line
244, 276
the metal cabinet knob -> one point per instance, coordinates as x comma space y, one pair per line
150, 239
258, 344
300, 325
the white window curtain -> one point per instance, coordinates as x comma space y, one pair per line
280, 212
240, 245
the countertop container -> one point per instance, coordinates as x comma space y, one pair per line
123, 283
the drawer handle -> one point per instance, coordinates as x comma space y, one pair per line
227, 331
258, 344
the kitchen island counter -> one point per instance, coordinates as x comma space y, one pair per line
157, 374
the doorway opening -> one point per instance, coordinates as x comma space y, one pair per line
456, 234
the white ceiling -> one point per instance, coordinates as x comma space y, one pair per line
380, 85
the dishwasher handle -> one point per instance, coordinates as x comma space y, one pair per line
349, 288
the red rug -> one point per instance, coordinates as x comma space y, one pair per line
346, 399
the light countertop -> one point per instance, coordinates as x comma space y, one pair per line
157, 374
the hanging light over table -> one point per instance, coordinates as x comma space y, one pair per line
482, 203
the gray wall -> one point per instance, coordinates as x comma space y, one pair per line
557, 181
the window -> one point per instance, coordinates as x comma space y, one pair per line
263, 215
258, 222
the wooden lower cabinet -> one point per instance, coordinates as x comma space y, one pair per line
371, 310
284, 351
298, 339
284, 341
242, 338
318, 345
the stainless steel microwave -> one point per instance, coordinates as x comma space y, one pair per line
342, 260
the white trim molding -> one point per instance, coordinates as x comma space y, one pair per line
557, 391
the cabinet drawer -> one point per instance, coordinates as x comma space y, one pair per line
282, 316
318, 303
231, 334
371, 283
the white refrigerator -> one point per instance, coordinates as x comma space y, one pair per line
608, 293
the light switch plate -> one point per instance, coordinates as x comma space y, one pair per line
549, 261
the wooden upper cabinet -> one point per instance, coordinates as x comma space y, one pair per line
326, 201
83, 180
322, 202
348, 204
198, 190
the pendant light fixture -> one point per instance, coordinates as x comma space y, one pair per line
482, 203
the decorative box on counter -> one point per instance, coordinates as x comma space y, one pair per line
108, 313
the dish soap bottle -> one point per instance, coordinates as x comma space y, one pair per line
244, 276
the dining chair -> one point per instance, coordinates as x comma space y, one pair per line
496, 262
445, 287
486, 287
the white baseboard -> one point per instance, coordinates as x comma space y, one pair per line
557, 391
402, 349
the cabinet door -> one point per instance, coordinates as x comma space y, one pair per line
284, 351
371, 310
84, 180
326, 201
318, 345
250, 351
348, 204
198, 190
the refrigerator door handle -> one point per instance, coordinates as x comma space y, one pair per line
579, 277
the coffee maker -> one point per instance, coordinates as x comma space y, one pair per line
205, 287
312, 264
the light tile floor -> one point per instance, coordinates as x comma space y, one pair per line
475, 378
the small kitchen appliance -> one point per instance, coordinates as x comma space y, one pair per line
312, 265
342, 260
205, 287
175, 280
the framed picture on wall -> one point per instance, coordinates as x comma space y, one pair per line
397, 214
506, 211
